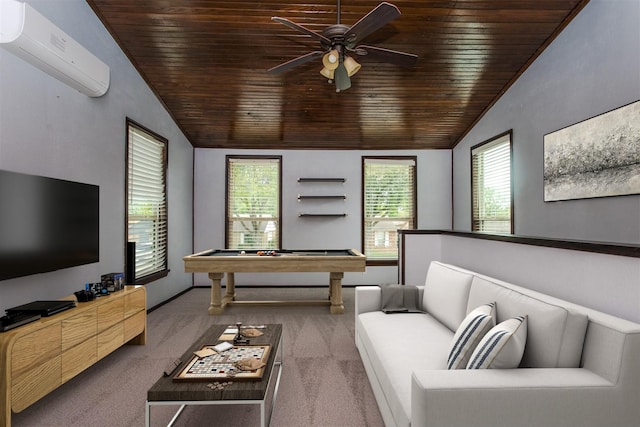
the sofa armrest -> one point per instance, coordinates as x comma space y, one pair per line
368, 298
516, 397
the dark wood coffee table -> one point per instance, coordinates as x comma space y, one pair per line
166, 391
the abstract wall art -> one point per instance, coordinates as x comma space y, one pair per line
598, 157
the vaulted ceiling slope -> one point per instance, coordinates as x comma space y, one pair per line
207, 61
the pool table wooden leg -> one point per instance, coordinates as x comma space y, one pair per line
335, 292
231, 288
216, 306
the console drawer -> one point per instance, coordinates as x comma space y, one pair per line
79, 358
110, 313
79, 328
35, 383
134, 302
134, 325
110, 339
35, 348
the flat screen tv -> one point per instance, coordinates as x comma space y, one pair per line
46, 224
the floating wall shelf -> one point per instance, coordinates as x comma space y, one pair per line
301, 197
321, 179
308, 215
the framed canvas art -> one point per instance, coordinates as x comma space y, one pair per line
599, 157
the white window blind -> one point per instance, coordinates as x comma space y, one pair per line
253, 203
389, 204
491, 186
146, 200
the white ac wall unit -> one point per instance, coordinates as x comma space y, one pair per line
32, 37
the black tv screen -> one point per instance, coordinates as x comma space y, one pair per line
46, 224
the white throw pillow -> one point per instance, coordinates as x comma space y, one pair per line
502, 347
472, 329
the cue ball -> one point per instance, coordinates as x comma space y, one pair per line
242, 252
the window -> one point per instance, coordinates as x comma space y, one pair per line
147, 201
253, 202
389, 201
492, 199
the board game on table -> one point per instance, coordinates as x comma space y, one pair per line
220, 261
222, 366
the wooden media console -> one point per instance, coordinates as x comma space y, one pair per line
38, 357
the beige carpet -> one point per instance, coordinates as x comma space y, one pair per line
323, 381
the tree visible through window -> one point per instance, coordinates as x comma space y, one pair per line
492, 201
147, 201
389, 193
253, 202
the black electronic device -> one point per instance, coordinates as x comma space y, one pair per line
43, 308
9, 322
84, 295
46, 224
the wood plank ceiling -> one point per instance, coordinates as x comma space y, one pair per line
207, 61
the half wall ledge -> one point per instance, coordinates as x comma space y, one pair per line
620, 249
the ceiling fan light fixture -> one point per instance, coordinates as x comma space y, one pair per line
351, 65
338, 39
331, 59
342, 79
327, 73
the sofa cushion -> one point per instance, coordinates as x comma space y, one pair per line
472, 329
502, 347
446, 291
555, 335
398, 344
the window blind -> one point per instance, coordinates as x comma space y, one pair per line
491, 186
253, 203
389, 204
146, 200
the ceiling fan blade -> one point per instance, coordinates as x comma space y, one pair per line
402, 59
295, 62
302, 29
341, 77
377, 18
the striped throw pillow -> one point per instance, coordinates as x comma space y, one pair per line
469, 334
502, 347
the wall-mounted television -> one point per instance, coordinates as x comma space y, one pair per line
46, 224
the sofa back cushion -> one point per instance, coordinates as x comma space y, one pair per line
446, 291
555, 334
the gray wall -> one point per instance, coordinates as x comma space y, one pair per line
434, 205
591, 68
48, 128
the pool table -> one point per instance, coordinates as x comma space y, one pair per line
220, 261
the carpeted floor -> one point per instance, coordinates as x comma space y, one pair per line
323, 381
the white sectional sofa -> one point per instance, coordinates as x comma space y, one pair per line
580, 367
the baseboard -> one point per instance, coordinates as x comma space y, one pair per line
179, 294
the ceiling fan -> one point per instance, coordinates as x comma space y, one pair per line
338, 40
